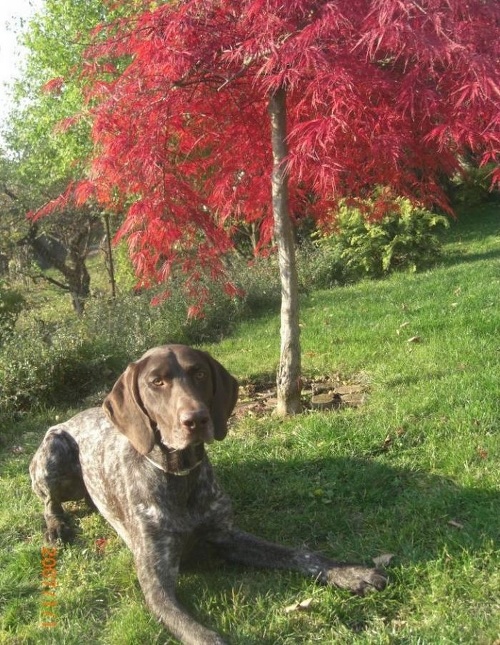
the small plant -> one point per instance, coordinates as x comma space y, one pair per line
404, 239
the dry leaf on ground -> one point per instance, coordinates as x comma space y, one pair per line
299, 606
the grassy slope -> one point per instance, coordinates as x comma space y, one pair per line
388, 477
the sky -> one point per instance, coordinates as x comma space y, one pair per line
12, 13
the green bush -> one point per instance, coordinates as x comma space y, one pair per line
11, 305
130, 324
37, 370
260, 285
49, 365
124, 270
405, 239
473, 187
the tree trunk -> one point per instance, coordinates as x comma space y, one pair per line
70, 264
288, 378
108, 252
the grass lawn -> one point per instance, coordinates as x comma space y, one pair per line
414, 471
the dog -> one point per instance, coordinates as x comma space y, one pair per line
141, 460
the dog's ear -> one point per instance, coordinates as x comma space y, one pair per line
225, 397
124, 408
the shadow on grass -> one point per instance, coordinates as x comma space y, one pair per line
351, 510
454, 258
358, 508
475, 221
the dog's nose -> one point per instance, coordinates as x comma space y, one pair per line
194, 419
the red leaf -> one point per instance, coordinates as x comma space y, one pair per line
54, 86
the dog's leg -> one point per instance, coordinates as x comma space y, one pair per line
56, 477
157, 564
244, 548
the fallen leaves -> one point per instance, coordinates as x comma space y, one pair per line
391, 440
326, 495
413, 339
303, 605
321, 393
101, 544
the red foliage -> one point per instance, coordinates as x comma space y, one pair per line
380, 92
54, 86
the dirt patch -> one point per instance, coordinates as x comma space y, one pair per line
323, 393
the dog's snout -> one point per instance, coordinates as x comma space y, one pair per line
194, 419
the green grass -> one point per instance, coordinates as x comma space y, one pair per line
415, 472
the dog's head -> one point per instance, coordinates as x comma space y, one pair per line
178, 392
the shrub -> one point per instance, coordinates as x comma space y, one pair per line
320, 264
473, 186
36, 370
130, 324
11, 305
124, 270
42, 365
404, 239
259, 282
49, 365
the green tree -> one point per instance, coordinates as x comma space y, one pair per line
47, 145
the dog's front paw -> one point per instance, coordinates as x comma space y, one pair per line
58, 531
356, 578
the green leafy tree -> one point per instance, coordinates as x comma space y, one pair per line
48, 141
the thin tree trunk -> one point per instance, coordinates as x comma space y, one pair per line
288, 378
108, 252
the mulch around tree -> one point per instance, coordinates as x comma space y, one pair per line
323, 393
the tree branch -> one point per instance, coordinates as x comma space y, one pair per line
41, 276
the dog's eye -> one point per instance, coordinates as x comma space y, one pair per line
199, 375
158, 382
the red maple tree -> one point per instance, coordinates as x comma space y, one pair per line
327, 98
